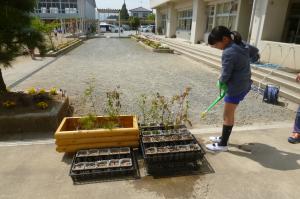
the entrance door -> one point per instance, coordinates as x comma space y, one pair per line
292, 34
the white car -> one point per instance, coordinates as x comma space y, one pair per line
149, 28
116, 29
142, 28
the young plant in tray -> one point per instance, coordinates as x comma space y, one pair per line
182, 106
113, 109
142, 104
165, 111
89, 121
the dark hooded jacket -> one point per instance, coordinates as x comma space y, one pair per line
236, 71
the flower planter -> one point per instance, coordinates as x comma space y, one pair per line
70, 139
64, 49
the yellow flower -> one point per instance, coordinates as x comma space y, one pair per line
42, 91
9, 104
31, 91
53, 91
42, 105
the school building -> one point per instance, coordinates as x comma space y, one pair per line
74, 15
272, 25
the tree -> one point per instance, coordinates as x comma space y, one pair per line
124, 12
15, 26
46, 28
151, 17
134, 22
32, 39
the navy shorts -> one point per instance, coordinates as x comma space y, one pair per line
235, 99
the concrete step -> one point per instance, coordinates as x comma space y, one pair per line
196, 52
284, 92
214, 54
282, 74
288, 90
198, 47
217, 57
292, 85
198, 58
279, 73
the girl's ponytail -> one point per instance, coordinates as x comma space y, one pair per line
236, 37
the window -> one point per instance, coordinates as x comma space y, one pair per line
210, 18
43, 10
184, 20
53, 10
225, 15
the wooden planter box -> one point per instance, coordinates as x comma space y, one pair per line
69, 139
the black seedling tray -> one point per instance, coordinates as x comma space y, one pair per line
178, 156
104, 174
173, 168
160, 127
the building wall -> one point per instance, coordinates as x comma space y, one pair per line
141, 15
244, 16
268, 27
155, 3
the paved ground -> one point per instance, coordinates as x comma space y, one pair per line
124, 62
260, 164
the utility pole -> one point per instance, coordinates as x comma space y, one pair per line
119, 24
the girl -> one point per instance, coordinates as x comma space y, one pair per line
235, 78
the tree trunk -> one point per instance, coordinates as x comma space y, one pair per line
2, 84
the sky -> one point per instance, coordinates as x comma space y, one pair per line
117, 4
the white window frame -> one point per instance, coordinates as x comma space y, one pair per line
185, 17
223, 14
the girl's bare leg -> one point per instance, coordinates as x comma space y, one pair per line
229, 110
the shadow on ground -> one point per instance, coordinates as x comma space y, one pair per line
68, 158
268, 156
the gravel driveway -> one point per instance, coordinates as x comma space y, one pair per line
124, 62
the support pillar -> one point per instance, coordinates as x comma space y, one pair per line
171, 21
157, 21
198, 21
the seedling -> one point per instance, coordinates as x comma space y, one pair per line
88, 122
113, 109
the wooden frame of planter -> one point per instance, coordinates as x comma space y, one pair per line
69, 139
